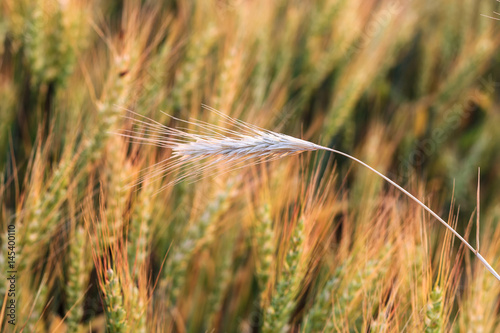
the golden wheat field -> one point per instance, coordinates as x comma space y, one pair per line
168, 166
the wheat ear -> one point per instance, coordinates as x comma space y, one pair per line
202, 147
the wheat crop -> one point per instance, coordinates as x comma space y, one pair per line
211, 146
129, 205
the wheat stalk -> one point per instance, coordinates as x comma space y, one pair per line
205, 147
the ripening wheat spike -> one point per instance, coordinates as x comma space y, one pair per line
201, 147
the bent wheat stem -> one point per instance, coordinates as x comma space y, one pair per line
205, 147
411, 196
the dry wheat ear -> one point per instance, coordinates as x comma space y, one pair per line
199, 148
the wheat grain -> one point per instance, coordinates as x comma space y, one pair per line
264, 243
434, 312
76, 278
205, 147
116, 314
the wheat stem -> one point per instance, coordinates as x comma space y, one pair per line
411, 196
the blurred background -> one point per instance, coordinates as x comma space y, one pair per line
305, 244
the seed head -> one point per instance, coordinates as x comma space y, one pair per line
202, 146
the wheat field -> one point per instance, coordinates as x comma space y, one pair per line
115, 218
